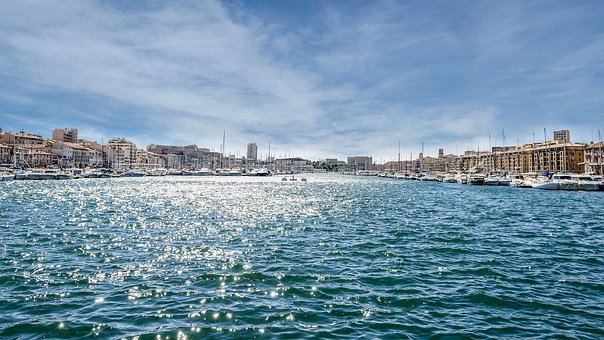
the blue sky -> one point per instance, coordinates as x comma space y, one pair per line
315, 78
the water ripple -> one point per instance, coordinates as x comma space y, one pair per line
339, 257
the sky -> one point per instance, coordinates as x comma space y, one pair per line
316, 79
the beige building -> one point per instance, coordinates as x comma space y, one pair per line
65, 135
20, 138
360, 162
123, 153
594, 161
71, 155
553, 156
6, 154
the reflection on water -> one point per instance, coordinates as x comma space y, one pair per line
221, 256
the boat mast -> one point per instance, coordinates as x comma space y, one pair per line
399, 156
600, 158
534, 158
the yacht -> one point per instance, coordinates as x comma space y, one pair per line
234, 172
565, 182
504, 181
544, 183
7, 176
134, 173
263, 172
491, 180
449, 179
521, 181
22, 174
476, 179
586, 182
63, 175
49, 174
36, 174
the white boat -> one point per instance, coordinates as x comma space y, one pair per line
586, 182
476, 179
63, 175
491, 181
461, 178
522, 180
449, 179
503, 181
234, 172
134, 173
50, 174
263, 172
22, 174
565, 182
7, 176
544, 183
36, 174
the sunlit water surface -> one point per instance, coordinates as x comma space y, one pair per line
337, 256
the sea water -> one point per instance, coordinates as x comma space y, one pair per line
336, 256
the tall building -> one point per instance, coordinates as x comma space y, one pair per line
252, 151
123, 153
65, 135
562, 136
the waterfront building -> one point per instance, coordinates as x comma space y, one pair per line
6, 153
65, 135
148, 159
252, 152
71, 155
293, 164
194, 157
123, 153
594, 161
100, 155
20, 138
360, 163
552, 156
172, 161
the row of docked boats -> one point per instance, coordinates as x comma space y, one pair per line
544, 181
7, 174
559, 181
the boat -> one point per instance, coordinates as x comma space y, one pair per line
7, 176
36, 174
476, 179
565, 182
63, 175
522, 180
134, 173
293, 178
504, 181
303, 179
234, 172
586, 182
283, 179
544, 183
491, 180
461, 178
201, 172
263, 172
51, 174
22, 174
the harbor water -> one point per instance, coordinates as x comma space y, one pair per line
336, 256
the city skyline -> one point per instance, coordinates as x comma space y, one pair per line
316, 79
